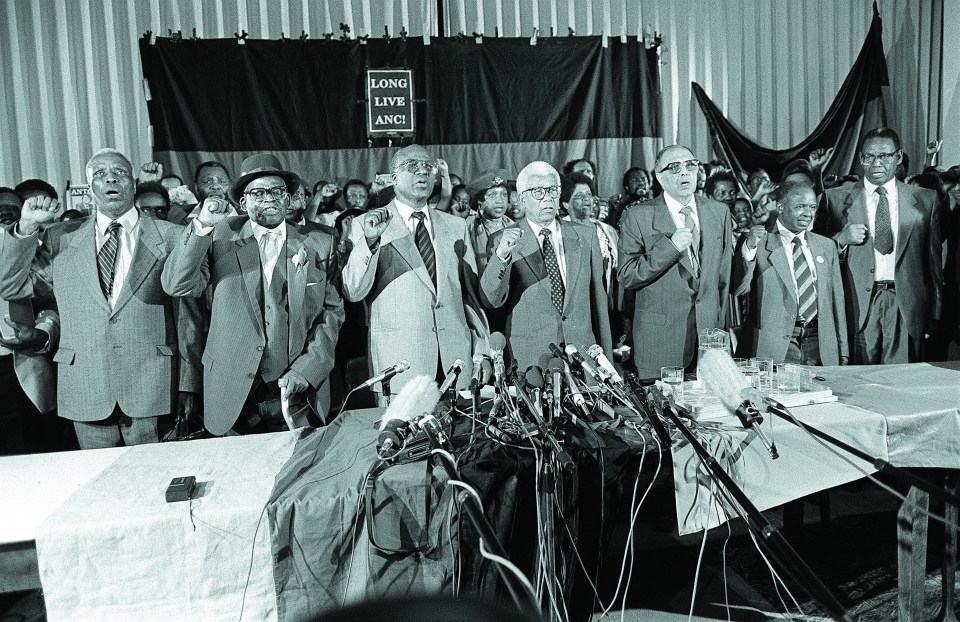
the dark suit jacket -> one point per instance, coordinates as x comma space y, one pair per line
773, 300
918, 274
522, 285
128, 355
228, 260
671, 305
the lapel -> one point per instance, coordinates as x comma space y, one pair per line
777, 257
149, 251
81, 257
531, 252
663, 223
572, 251
908, 215
296, 287
248, 256
400, 236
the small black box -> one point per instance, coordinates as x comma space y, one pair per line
181, 488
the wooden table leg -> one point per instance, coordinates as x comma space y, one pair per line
912, 555
948, 574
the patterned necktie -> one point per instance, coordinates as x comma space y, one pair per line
269, 252
691, 224
553, 270
425, 246
883, 232
107, 259
806, 289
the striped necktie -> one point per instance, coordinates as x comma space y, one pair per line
553, 270
107, 259
691, 224
806, 289
883, 231
425, 246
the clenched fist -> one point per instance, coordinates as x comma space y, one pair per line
214, 211
682, 239
853, 233
755, 234
509, 239
374, 223
36, 213
151, 171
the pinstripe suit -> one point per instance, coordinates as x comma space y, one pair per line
409, 318
128, 355
228, 260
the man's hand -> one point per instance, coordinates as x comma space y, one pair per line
682, 239
25, 337
213, 211
445, 185
486, 371
187, 405
854, 233
293, 382
374, 223
151, 171
37, 212
509, 239
765, 188
754, 236
933, 147
329, 191
819, 157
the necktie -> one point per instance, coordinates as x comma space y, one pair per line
691, 224
806, 289
883, 232
269, 250
107, 259
553, 270
425, 246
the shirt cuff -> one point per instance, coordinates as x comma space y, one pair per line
749, 253
199, 228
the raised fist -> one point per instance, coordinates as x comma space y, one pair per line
214, 211
151, 171
374, 223
682, 239
38, 212
853, 233
509, 239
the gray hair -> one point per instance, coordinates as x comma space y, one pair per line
103, 152
659, 157
535, 168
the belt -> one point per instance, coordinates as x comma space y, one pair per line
801, 323
883, 285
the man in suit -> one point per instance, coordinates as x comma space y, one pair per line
797, 312
122, 338
675, 260
890, 244
416, 270
549, 274
275, 314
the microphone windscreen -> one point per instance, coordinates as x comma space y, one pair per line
534, 377
497, 341
556, 365
417, 396
722, 377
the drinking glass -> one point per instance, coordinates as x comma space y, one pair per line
672, 377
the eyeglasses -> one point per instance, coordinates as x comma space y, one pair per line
419, 166
539, 193
676, 167
585, 198
885, 158
277, 192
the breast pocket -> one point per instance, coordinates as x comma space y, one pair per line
64, 356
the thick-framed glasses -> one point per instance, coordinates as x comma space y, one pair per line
539, 193
676, 167
419, 166
885, 158
585, 199
259, 194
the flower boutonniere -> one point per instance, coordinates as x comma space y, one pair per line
300, 259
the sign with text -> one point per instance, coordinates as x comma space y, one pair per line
390, 102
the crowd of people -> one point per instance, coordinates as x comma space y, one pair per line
238, 302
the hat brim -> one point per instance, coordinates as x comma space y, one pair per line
290, 179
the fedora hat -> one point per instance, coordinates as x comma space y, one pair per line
262, 165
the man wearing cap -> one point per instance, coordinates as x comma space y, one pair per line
548, 275
416, 270
491, 198
121, 358
275, 313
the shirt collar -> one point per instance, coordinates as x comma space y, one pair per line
789, 235
128, 221
406, 211
259, 231
675, 206
890, 186
553, 227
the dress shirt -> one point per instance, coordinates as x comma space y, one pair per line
557, 241
786, 239
885, 264
269, 254
680, 220
128, 235
406, 214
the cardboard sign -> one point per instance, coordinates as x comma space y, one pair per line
389, 102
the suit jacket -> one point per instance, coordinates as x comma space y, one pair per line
918, 274
522, 285
671, 304
228, 261
34, 368
773, 300
128, 355
409, 318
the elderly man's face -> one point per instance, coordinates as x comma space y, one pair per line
414, 176
677, 173
880, 158
357, 196
266, 199
798, 208
152, 203
111, 183
541, 211
212, 182
495, 202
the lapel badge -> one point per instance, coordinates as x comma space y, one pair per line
819, 259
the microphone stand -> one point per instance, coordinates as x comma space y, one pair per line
525, 600
385, 390
768, 534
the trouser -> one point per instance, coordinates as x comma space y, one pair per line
117, 430
804, 346
884, 338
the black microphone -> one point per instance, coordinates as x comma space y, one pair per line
533, 377
477, 370
558, 352
392, 434
386, 374
588, 367
452, 375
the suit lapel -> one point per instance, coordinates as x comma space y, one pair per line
573, 248
532, 254
400, 236
663, 223
777, 257
296, 287
908, 215
82, 259
148, 252
248, 256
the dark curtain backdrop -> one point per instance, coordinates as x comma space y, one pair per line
302, 99
857, 109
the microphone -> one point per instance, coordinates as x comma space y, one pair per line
452, 375
386, 374
574, 390
588, 367
477, 370
721, 376
557, 352
417, 396
555, 367
596, 353
497, 342
533, 377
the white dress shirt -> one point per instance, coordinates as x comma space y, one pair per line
556, 239
128, 235
885, 264
271, 243
406, 214
786, 239
680, 220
